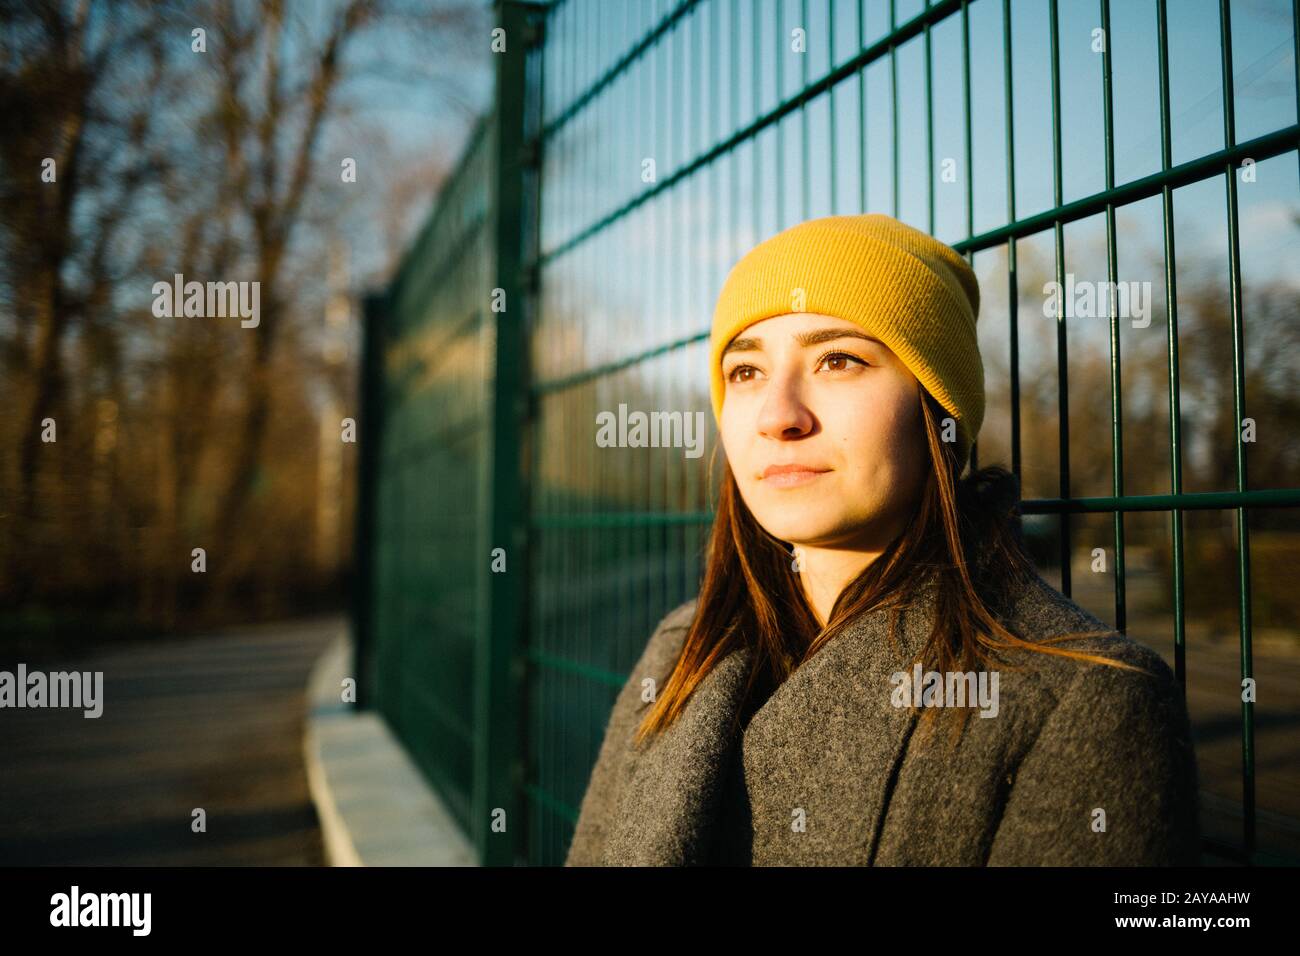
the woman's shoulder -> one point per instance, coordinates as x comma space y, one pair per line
679, 618
666, 640
1040, 611
1093, 743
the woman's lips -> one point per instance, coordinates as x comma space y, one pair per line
789, 476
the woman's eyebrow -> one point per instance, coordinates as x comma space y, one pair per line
805, 339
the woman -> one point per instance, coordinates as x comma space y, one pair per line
858, 597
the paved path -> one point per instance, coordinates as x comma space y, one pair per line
212, 722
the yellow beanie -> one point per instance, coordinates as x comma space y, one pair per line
908, 289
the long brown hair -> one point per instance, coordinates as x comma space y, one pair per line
967, 532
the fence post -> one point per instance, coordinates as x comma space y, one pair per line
499, 666
370, 422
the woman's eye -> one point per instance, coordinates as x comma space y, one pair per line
731, 376
833, 356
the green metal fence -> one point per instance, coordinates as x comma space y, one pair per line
442, 527
513, 569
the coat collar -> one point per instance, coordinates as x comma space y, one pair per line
668, 805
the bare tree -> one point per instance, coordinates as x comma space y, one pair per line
217, 158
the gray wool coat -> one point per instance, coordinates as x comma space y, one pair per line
1082, 765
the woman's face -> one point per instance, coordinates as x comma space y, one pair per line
817, 391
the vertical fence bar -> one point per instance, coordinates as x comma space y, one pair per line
966, 108
806, 177
893, 96
969, 171
1112, 274
584, 397
830, 43
1062, 357
862, 114
370, 397
757, 62
498, 777
929, 131
779, 54
1013, 280
1238, 404
540, 765
1171, 305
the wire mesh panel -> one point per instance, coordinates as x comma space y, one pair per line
627, 268
430, 475
1124, 179
445, 533
1050, 142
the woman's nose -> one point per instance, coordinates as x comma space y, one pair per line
784, 414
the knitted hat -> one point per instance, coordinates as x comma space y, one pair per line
911, 291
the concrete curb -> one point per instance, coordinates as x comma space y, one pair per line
374, 804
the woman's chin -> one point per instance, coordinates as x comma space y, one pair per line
791, 526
